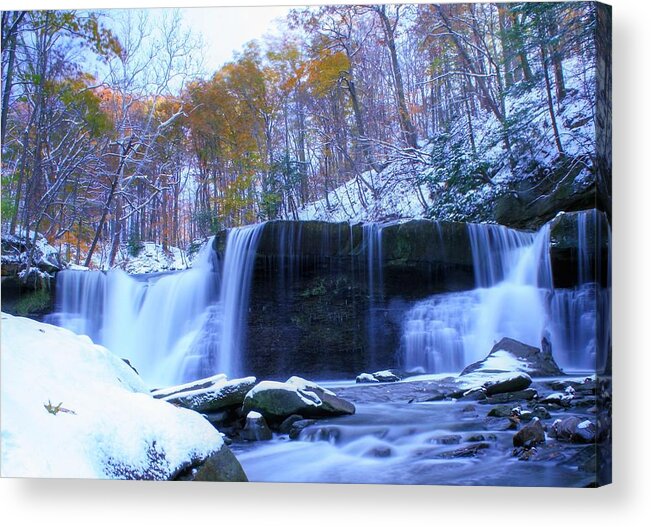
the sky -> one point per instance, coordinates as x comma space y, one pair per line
226, 29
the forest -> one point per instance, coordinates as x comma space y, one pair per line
111, 136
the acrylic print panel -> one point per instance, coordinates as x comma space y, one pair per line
370, 246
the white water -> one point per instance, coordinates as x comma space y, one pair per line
514, 298
448, 332
241, 245
172, 327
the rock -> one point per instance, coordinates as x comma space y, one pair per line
379, 451
574, 430
188, 387
218, 396
510, 355
277, 400
299, 426
256, 428
220, 466
385, 376
287, 424
502, 398
501, 424
541, 412
474, 394
452, 439
365, 378
507, 382
475, 438
501, 411
530, 435
557, 399
378, 376
466, 451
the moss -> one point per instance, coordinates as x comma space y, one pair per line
33, 302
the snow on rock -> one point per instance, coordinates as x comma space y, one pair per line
278, 400
510, 355
218, 396
152, 258
190, 386
71, 409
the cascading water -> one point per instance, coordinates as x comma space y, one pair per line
447, 332
151, 321
514, 298
173, 327
372, 240
581, 320
241, 246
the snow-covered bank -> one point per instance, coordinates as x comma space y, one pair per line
71, 409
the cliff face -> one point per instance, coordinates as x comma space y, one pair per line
328, 299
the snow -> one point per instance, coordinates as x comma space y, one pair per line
421, 183
584, 424
254, 415
307, 397
196, 399
152, 258
502, 360
71, 409
303, 384
190, 386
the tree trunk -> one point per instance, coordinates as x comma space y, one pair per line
407, 127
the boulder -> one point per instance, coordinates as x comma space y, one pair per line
298, 426
385, 376
465, 451
365, 378
220, 466
511, 397
530, 435
287, 424
256, 428
510, 355
188, 387
378, 376
574, 429
506, 383
218, 396
278, 400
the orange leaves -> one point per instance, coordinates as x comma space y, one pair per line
326, 70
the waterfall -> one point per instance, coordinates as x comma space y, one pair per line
512, 273
581, 316
515, 297
241, 245
372, 242
150, 320
173, 327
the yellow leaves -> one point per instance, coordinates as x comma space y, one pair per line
326, 70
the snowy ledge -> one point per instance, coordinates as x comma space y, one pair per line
71, 409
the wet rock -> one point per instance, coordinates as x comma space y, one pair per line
474, 394
364, 378
466, 451
452, 439
220, 466
557, 399
379, 451
574, 430
378, 376
512, 397
256, 428
475, 438
541, 412
507, 383
277, 400
298, 426
501, 411
501, 424
510, 355
530, 435
287, 424
386, 376
217, 396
